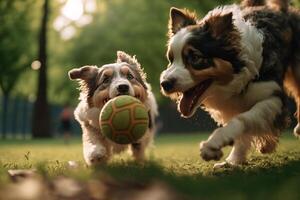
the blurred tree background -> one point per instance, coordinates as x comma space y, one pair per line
93, 36
82, 32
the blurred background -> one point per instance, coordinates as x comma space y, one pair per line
40, 40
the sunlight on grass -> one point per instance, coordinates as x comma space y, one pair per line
175, 153
173, 159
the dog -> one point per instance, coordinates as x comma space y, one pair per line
239, 63
98, 86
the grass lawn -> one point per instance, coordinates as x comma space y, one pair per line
173, 160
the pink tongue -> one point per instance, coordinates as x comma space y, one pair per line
185, 104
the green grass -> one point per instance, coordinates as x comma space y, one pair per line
174, 159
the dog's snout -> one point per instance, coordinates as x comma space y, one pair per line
168, 85
123, 88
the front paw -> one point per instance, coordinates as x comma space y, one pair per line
223, 165
297, 130
95, 156
209, 152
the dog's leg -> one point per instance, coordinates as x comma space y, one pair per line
297, 128
259, 119
292, 85
238, 153
95, 149
138, 148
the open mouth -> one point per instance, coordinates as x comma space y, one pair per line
190, 97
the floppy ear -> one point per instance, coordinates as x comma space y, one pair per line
83, 73
218, 25
180, 19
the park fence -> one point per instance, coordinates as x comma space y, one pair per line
16, 122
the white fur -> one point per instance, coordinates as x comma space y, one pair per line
255, 109
256, 121
251, 46
222, 105
118, 80
177, 69
98, 149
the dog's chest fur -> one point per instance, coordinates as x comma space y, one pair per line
223, 105
265, 46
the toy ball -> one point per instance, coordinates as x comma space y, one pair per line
124, 119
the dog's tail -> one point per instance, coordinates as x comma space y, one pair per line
278, 5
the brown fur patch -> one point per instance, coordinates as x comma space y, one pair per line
140, 92
108, 72
124, 70
278, 5
139, 73
87, 77
99, 97
252, 3
218, 25
221, 72
180, 19
83, 73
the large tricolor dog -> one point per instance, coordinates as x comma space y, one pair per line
239, 63
99, 85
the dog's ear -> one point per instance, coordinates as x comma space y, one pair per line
124, 57
180, 19
134, 63
218, 25
83, 73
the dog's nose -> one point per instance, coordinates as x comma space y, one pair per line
168, 85
123, 88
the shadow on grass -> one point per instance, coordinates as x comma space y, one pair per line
231, 183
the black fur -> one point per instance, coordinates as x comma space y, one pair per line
276, 50
212, 47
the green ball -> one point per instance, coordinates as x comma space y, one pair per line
124, 119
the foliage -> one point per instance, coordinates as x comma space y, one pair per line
17, 41
137, 27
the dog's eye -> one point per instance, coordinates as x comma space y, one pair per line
130, 76
199, 62
106, 79
202, 64
195, 58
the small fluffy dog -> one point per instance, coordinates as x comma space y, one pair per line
239, 63
97, 86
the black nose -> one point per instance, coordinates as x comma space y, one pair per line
168, 85
123, 88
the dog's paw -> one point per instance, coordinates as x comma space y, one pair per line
297, 131
95, 156
223, 165
98, 159
209, 152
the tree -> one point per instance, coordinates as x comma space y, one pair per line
16, 51
138, 27
41, 112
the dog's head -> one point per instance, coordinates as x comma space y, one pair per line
98, 85
201, 53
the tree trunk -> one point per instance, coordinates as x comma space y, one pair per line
4, 115
41, 112
14, 117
